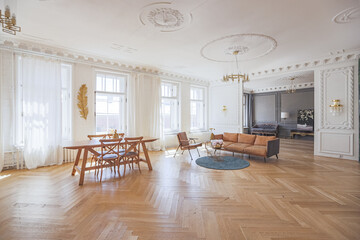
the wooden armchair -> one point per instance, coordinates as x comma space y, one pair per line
184, 144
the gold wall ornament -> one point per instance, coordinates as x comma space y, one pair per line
8, 22
83, 101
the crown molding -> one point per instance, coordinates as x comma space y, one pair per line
340, 57
98, 61
278, 88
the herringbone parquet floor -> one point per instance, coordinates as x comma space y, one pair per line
298, 196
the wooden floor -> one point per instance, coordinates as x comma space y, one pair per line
298, 196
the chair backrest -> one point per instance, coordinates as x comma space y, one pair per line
91, 137
110, 146
132, 144
183, 139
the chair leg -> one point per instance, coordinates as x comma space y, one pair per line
183, 152
265, 159
101, 171
176, 150
190, 154
233, 154
277, 156
138, 163
124, 168
198, 151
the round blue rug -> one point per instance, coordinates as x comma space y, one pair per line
222, 162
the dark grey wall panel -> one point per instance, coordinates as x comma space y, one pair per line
267, 107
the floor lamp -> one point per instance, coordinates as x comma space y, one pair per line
284, 115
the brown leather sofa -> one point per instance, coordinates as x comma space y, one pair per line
264, 146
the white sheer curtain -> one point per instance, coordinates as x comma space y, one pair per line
41, 81
144, 106
7, 103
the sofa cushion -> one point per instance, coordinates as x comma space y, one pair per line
262, 140
256, 150
246, 138
237, 147
230, 137
227, 143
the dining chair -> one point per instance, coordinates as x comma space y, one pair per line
131, 154
109, 155
93, 137
184, 144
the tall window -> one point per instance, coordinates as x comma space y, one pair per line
197, 108
170, 106
110, 103
66, 87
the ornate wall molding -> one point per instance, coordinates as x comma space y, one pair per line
75, 57
348, 122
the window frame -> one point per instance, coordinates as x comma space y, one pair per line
178, 100
70, 100
124, 93
204, 100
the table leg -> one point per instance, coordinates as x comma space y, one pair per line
83, 166
76, 161
147, 158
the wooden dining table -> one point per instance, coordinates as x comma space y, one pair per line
89, 145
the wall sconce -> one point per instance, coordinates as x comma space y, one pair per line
336, 108
224, 108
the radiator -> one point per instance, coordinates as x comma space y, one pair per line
69, 155
14, 159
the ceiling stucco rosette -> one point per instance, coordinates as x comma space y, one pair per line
347, 15
164, 17
250, 46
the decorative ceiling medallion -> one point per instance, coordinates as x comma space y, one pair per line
239, 49
347, 15
250, 46
163, 17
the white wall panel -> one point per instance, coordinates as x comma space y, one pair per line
337, 135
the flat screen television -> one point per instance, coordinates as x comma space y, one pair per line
305, 120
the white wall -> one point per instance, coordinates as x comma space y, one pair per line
229, 95
83, 74
337, 136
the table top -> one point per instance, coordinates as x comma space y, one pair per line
96, 143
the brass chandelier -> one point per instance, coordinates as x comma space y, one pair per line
236, 77
292, 88
9, 23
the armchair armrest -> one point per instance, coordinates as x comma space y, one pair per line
273, 147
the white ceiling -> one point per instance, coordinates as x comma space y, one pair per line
302, 30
